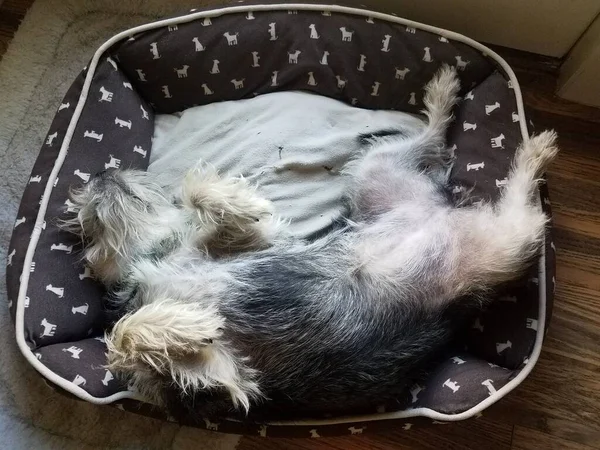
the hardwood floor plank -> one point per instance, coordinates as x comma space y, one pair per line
527, 439
474, 434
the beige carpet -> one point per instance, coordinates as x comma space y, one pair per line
55, 41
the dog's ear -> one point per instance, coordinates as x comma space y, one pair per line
179, 341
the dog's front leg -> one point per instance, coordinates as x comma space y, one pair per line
230, 216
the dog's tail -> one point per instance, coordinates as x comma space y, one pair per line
441, 94
497, 243
179, 341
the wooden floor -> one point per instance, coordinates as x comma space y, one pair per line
558, 406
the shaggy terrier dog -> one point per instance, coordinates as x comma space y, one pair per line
220, 311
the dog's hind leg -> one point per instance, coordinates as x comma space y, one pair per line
497, 243
392, 171
229, 214
179, 342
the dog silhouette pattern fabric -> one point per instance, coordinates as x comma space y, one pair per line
366, 62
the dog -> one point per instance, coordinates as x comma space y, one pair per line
222, 313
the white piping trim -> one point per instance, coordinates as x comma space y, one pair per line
425, 412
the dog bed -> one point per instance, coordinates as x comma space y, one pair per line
366, 59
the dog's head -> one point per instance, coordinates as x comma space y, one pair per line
118, 214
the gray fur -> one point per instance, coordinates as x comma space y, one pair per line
342, 322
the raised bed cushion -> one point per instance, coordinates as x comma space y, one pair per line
164, 67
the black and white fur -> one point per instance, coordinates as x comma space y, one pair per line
342, 322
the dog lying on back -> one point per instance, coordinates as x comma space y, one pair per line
342, 322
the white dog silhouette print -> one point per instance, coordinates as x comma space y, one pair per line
81, 309
346, 34
111, 62
385, 43
84, 176
457, 360
232, 39
250, 15
50, 138
20, 221
375, 89
475, 167
10, 257
502, 346
74, 351
311, 79
414, 392
491, 108
93, 135
323, 60
451, 385
413, 99
238, 84
144, 113
255, 59
215, 67
460, 64
497, 142
182, 73
198, 45
165, 91
272, 32
154, 50
274, 78
86, 273
123, 123
140, 150
313, 31
314, 434
354, 430
79, 380
64, 106
206, 22
106, 96
70, 206
35, 179
427, 55
62, 247
489, 385
108, 377
58, 291
141, 74
401, 73
207, 90
500, 184
469, 96
411, 30
469, 126
341, 82
531, 324
49, 328
293, 57
113, 163
361, 63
